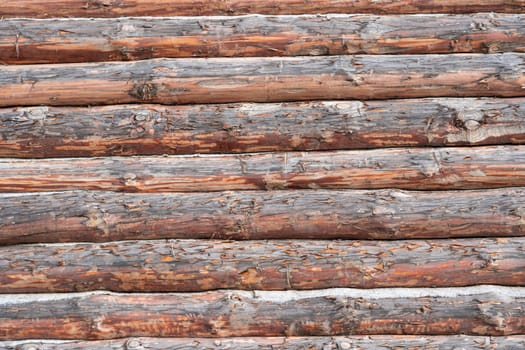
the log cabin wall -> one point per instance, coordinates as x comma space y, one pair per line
280, 174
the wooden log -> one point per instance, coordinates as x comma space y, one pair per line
39, 132
196, 265
418, 169
88, 40
485, 311
117, 8
266, 79
272, 343
309, 214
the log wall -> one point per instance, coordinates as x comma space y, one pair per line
262, 174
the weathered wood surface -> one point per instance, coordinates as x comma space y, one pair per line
264, 79
309, 214
38, 132
118, 8
196, 265
123, 39
391, 342
405, 168
472, 311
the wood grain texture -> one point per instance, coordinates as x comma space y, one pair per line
418, 169
309, 214
118, 8
235, 313
89, 40
39, 132
196, 265
264, 79
391, 342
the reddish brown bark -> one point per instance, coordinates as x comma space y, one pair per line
88, 40
115, 8
266, 79
39, 132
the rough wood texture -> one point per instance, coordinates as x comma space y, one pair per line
378, 342
37, 132
196, 265
315, 214
419, 169
123, 39
266, 79
226, 314
117, 8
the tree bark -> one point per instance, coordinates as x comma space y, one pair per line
89, 40
391, 342
267, 79
418, 169
309, 214
242, 314
39, 132
195, 265
118, 8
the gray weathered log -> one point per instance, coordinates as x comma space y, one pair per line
487, 310
418, 169
196, 265
392, 342
264, 79
118, 8
37, 132
309, 214
88, 40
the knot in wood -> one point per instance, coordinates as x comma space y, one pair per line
28, 347
471, 124
344, 345
133, 344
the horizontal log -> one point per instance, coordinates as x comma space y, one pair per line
88, 40
485, 310
39, 132
271, 343
418, 169
310, 214
196, 265
264, 79
117, 8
